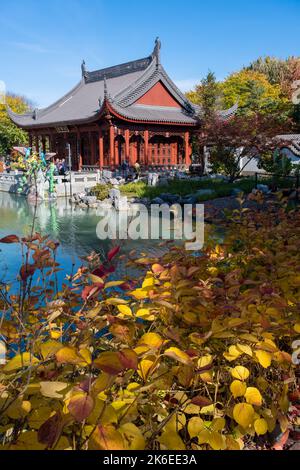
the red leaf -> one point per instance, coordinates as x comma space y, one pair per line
26, 271
90, 291
282, 441
128, 359
50, 430
80, 406
113, 252
201, 401
102, 271
10, 239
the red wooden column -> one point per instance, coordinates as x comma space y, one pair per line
187, 148
127, 156
101, 150
146, 147
112, 145
79, 151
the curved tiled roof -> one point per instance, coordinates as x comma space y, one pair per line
119, 87
292, 142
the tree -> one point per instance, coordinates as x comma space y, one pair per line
254, 94
278, 72
232, 140
276, 163
10, 134
206, 94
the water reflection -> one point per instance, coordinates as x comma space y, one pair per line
73, 227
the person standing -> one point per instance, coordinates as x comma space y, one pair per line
137, 168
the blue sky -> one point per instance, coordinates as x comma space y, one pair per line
42, 43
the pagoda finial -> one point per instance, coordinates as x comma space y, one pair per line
157, 49
105, 88
83, 69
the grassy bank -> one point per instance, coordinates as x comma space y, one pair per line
185, 187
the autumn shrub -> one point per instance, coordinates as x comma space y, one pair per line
196, 354
101, 191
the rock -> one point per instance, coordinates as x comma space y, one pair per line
170, 198
263, 188
189, 199
205, 192
114, 181
121, 204
153, 179
93, 206
157, 200
90, 200
114, 194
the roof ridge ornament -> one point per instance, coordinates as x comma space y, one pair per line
105, 88
35, 114
83, 69
156, 51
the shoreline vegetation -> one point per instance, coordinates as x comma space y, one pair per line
195, 354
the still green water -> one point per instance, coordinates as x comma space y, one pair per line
74, 228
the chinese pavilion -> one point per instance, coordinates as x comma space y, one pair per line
131, 111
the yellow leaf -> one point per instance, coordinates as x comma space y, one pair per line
113, 284
253, 396
53, 389
153, 340
107, 413
297, 327
39, 416
49, 348
133, 438
86, 355
125, 310
243, 414
218, 424
195, 425
139, 294
149, 281
261, 426
95, 279
145, 314
145, 368
176, 423
178, 355
240, 373
69, 355
264, 358
244, 348
18, 409
106, 437
116, 301
217, 441
110, 363
28, 441
21, 360
203, 436
238, 388
171, 441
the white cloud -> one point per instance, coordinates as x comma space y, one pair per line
187, 84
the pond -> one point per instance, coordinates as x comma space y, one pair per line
73, 227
